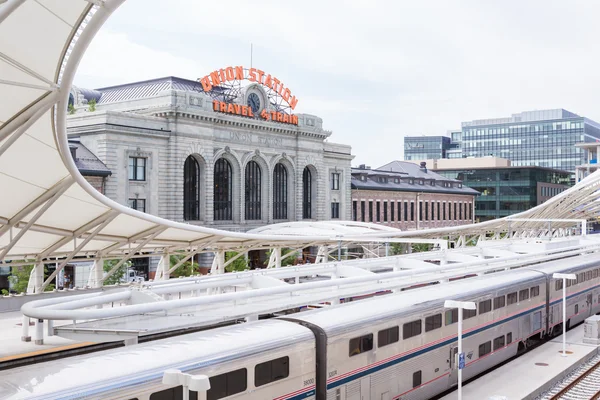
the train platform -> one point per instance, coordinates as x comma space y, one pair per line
532, 374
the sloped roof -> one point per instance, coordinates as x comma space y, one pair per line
148, 88
87, 163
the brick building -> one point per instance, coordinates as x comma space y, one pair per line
408, 196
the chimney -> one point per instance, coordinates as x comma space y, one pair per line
424, 166
73, 150
361, 166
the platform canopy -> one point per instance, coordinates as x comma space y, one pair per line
47, 209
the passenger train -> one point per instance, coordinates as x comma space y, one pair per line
397, 346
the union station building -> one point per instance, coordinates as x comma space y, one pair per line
221, 152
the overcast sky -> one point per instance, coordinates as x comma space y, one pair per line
375, 71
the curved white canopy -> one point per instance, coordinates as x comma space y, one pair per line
47, 209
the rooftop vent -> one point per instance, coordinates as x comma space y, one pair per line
424, 166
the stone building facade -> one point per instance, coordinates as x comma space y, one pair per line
173, 155
409, 197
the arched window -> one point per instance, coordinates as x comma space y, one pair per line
306, 194
280, 188
222, 201
253, 191
191, 189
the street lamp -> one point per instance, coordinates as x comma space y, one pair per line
197, 383
468, 305
564, 278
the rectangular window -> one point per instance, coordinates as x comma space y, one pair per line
511, 298
405, 211
354, 211
227, 384
426, 211
171, 394
595, 274
433, 322
335, 181
460, 213
370, 211
485, 348
378, 211
137, 169
362, 210
523, 294
499, 343
420, 211
271, 371
335, 210
361, 344
385, 210
438, 211
388, 336
444, 211
137, 204
558, 284
411, 329
499, 302
454, 214
412, 211
451, 316
469, 313
400, 212
535, 291
392, 208
470, 212
509, 338
485, 306
417, 376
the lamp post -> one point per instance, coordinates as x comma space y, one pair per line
468, 305
197, 383
564, 278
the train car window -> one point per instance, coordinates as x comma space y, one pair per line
411, 329
485, 306
175, 393
595, 274
535, 291
388, 336
451, 316
558, 285
361, 344
227, 384
498, 342
271, 371
499, 302
417, 376
569, 282
576, 308
523, 294
433, 322
509, 338
485, 348
511, 298
469, 313
581, 277
588, 275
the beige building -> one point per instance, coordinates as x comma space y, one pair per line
409, 197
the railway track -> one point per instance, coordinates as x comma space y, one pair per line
584, 383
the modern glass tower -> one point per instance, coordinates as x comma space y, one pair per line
533, 138
544, 138
425, 147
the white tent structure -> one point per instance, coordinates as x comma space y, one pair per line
49, 213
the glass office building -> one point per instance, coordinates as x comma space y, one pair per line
543, 138
425, 147
510, 190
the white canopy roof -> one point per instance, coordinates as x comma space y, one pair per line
48, 210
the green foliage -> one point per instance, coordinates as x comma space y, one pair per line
289, 260
398, 248
19, 278
71, 109
186, 269
420, 247
4, 292
240, 264
92, 105
116, 277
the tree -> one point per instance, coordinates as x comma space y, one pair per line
289, 260
420, 247
92, 105
71, 109
185, 269
19, 278
238, 265
398, 248
116, 277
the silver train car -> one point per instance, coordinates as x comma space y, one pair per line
398, 346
